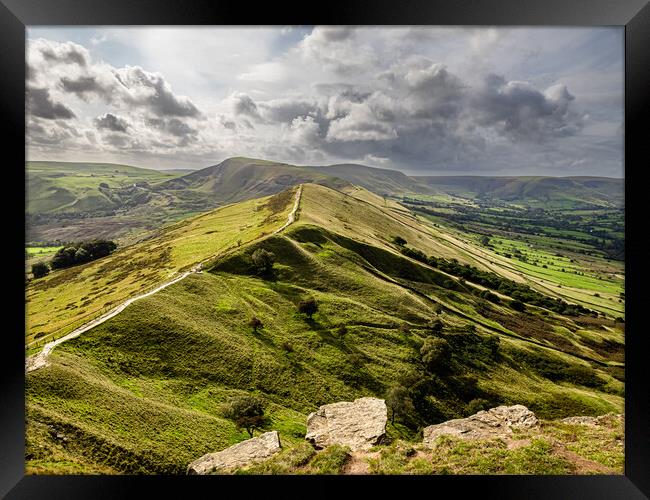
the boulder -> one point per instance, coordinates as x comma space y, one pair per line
359, 424
495, 422
241, 454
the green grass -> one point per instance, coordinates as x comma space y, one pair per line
67, 298
143, 392
41, 250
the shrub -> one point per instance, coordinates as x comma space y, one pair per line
255, 323
435, 354
263, 260
247, 412
398, 402
341, 331
398, 240
518, 305
308, 307
40, 269
476, 405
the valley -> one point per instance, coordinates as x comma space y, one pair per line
145, 390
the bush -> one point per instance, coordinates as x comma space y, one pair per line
399, 402
435, 354
255, 323
247, 412
398, 240
308, 307
518, 305
40, 269
476, 405
263, 260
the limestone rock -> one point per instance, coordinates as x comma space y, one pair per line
241, 454
360, 424
495, 422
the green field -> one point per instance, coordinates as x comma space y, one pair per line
144, 391
68, 298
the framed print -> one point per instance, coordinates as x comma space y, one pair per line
369, 245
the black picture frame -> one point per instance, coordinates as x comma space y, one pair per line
634, 15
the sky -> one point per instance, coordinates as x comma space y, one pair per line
424, 100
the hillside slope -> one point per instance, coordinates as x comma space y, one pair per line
145, 391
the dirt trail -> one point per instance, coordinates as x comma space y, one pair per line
40, 360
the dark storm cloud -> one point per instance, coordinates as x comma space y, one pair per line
111, 122
39, 103
522, 112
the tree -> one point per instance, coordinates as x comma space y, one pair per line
308, 307
435, 354
40, 269
64, 257
518, 305
263, 260
341, 331
485, 240
247, 412
255, 323
398, 402
81, 255
398, 240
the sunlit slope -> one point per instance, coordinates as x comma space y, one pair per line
368, 217
363, 216
240, 178
143, 391
78, 187
65, 299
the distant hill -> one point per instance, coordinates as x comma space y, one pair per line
378, 180
239, 178
598, 191
68, 201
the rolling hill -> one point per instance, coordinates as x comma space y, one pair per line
549, 192
144, 392
68, 201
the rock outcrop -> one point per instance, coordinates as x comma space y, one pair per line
241, 454
495, 422
360, 424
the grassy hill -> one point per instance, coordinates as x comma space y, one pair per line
378, 180
144, 391
61, 301
75, 201
546, 192
72, 201
77, 187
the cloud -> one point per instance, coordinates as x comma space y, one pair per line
61, 53
417, 99
521, 112
111, 122
150, 90
81, 86
243, 105
39, 103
